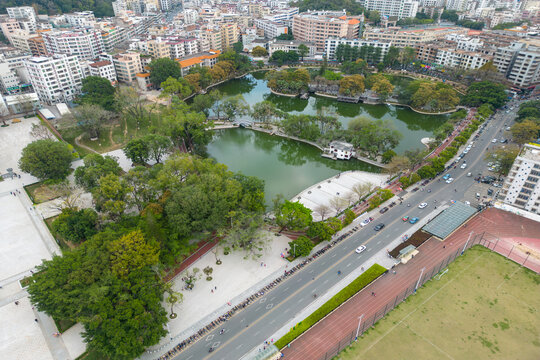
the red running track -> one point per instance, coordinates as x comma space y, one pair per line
338, 326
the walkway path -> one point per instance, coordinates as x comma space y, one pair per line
78, 143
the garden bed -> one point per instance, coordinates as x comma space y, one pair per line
416, 239
41, 192
345, 294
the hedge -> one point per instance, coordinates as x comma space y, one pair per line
358, 284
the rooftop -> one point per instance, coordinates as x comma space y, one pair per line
449, 220
531, 152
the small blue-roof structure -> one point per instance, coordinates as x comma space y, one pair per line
449, 220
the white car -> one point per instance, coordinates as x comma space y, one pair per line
422, 205
463, 166
494, 140
360, 249
508, 128
466, 151
365, 222
449, 180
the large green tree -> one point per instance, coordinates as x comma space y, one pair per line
301, 246
137, 151
98, 91
485, 92
46, 159
95, 166
163, 68
121, 310
76, 226
91, 118
293, 216
503, 157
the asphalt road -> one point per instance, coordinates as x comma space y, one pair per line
255, 324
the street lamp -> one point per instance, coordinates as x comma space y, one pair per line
462, 251
420, 277
358, 328
294, 249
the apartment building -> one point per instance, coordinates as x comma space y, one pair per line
331, 44
127, 65
19, 40
462, 59
104, 69
411, 37
9, 26
112, 35
55, 79
521, 187
399, 8
284, 15
182, 47
25, 14
271, 29
520, 62
316, 27
80, 19
191, 16
208, 59
211, 39
9, 81
85, 43
290, 45
37, 46
230, 34
157, 48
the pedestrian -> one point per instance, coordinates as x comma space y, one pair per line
394, 271
265, 265
372, 293
215, 288
36, 320
212, 291
444, 247
262, 263
16, 303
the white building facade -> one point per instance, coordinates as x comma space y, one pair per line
399, 8
521, 187
55, 79
331, 44
85, 43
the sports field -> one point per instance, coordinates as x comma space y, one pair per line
484, 307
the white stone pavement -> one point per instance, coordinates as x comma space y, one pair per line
338, 186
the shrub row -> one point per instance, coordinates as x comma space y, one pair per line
358, 284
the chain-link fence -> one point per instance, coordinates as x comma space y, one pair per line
488, 240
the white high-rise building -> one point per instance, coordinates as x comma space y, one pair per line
458, 5
24, 12
399, 8
85, 43
521, 187
80, 19
55, 79
191, 16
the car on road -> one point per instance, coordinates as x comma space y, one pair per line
469, 174
378, 227
365, 222
383, 210
360, 249
494, 140
508, 128
449, 181
466, 151
463, 166
447, 176
414, 220
405, 218
422, 205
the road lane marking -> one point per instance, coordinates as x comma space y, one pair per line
325, 281
349, 264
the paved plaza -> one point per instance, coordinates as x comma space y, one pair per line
339, 186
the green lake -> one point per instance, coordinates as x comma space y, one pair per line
288, 166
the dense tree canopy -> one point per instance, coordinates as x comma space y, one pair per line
95, 166
101, 8
121, 315
293, 216
46, 159
163, 68
485, 92
98, 91
76, 226
281, 57
288, 81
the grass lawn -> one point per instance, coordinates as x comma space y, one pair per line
485, 307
